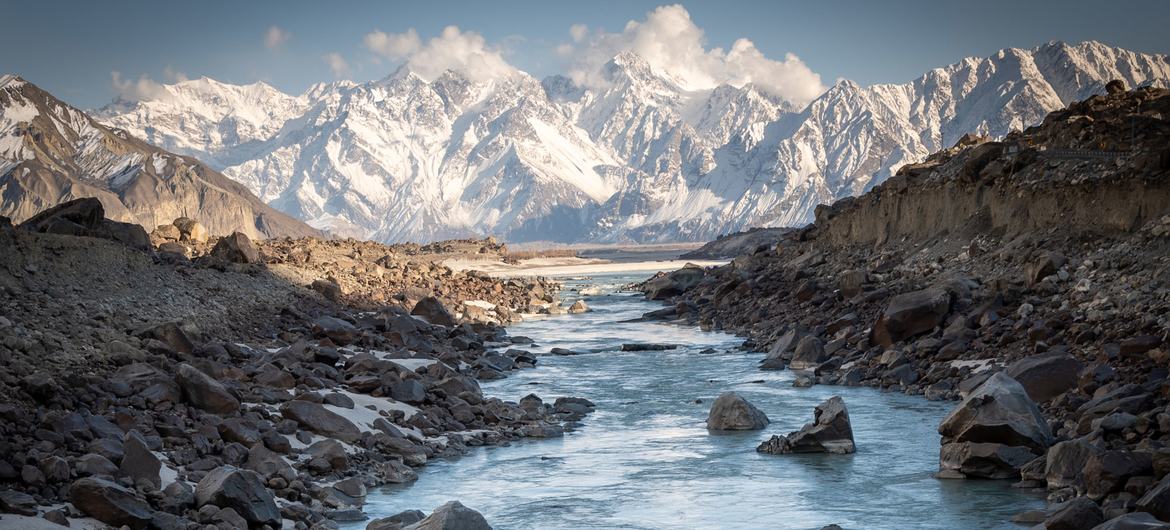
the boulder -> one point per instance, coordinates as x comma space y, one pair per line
241, 490
982, 460
17, 502
269, 464
138, 462
337, 330
731, 412
1064, 463
665, 286
999, 411
452, 516
316, 418
1047, 375
206, 393
578, 307
1043, 265
86, 217
830, 432
1106, 472
396, 521
1133, 521
1079, 513
110, 503
329, 455
236, 248
1156, 501
432, 310
809, 353
191, 230
911, 314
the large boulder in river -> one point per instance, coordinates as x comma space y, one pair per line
316, 418
110, 503
452, 516
830, 432
241, 490
911, 314
665, 286
1047, 375
993, 432
433, 311
731, 412
204, 392
999, 411
810, 353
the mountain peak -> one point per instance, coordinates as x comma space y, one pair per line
13, 79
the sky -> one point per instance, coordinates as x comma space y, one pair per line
88, 53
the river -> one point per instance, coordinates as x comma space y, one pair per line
645, 460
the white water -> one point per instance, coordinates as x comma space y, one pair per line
645, 459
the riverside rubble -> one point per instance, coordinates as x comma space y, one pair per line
1029, 277
178, 380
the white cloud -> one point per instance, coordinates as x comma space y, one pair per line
463, 51
674, 46
174, 76
337, 65
275, 37
141, 89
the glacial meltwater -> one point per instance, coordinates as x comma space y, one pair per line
645, 459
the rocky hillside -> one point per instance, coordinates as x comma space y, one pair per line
1043, 258
179, 380
639, 157
51, 153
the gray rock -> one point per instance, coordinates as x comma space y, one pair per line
241, 490
396, 521
452, 516
17, 502
1133, 521
139, 463
911, 314
316, 418
432, 310
999, 411
204, 392
731, 412
1077, 514
830, 432
110, 503
809, 353
236, 248
1047, 375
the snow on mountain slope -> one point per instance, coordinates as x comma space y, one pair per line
51, 153
636, 157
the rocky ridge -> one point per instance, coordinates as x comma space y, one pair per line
193, 381
1028, 277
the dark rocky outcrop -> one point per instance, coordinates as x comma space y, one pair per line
830, 432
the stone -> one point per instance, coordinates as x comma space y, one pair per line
241, 490
998, 411
830, 432
1077, 514
329, 288
665, 286
337, 330
318, 419
396, 521
731, 412
330, 454
269, 464
1133, 521
849, 282
171, 334
911, 314
191, 230
578, 307
205, 393
139, 463
236, 248
433, 311
1064, 463
1045, 264
1046, 376
983, 460
809, 353
1106, 472
452, 516
95, 464
408, 391
17, 502
110, 503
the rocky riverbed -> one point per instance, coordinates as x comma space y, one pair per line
1029, 278
180, 380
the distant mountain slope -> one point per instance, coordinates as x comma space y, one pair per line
636, 158
51, 153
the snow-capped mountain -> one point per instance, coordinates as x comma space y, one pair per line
637, 157
51, 153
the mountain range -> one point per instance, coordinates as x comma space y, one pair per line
635, 158
51, 153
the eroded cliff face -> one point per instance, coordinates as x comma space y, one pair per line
1098, 166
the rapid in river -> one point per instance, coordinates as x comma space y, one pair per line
646, 460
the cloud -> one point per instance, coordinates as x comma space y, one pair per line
337, 65
275, 37
142, 89
674, 46
463, 51
173, 76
